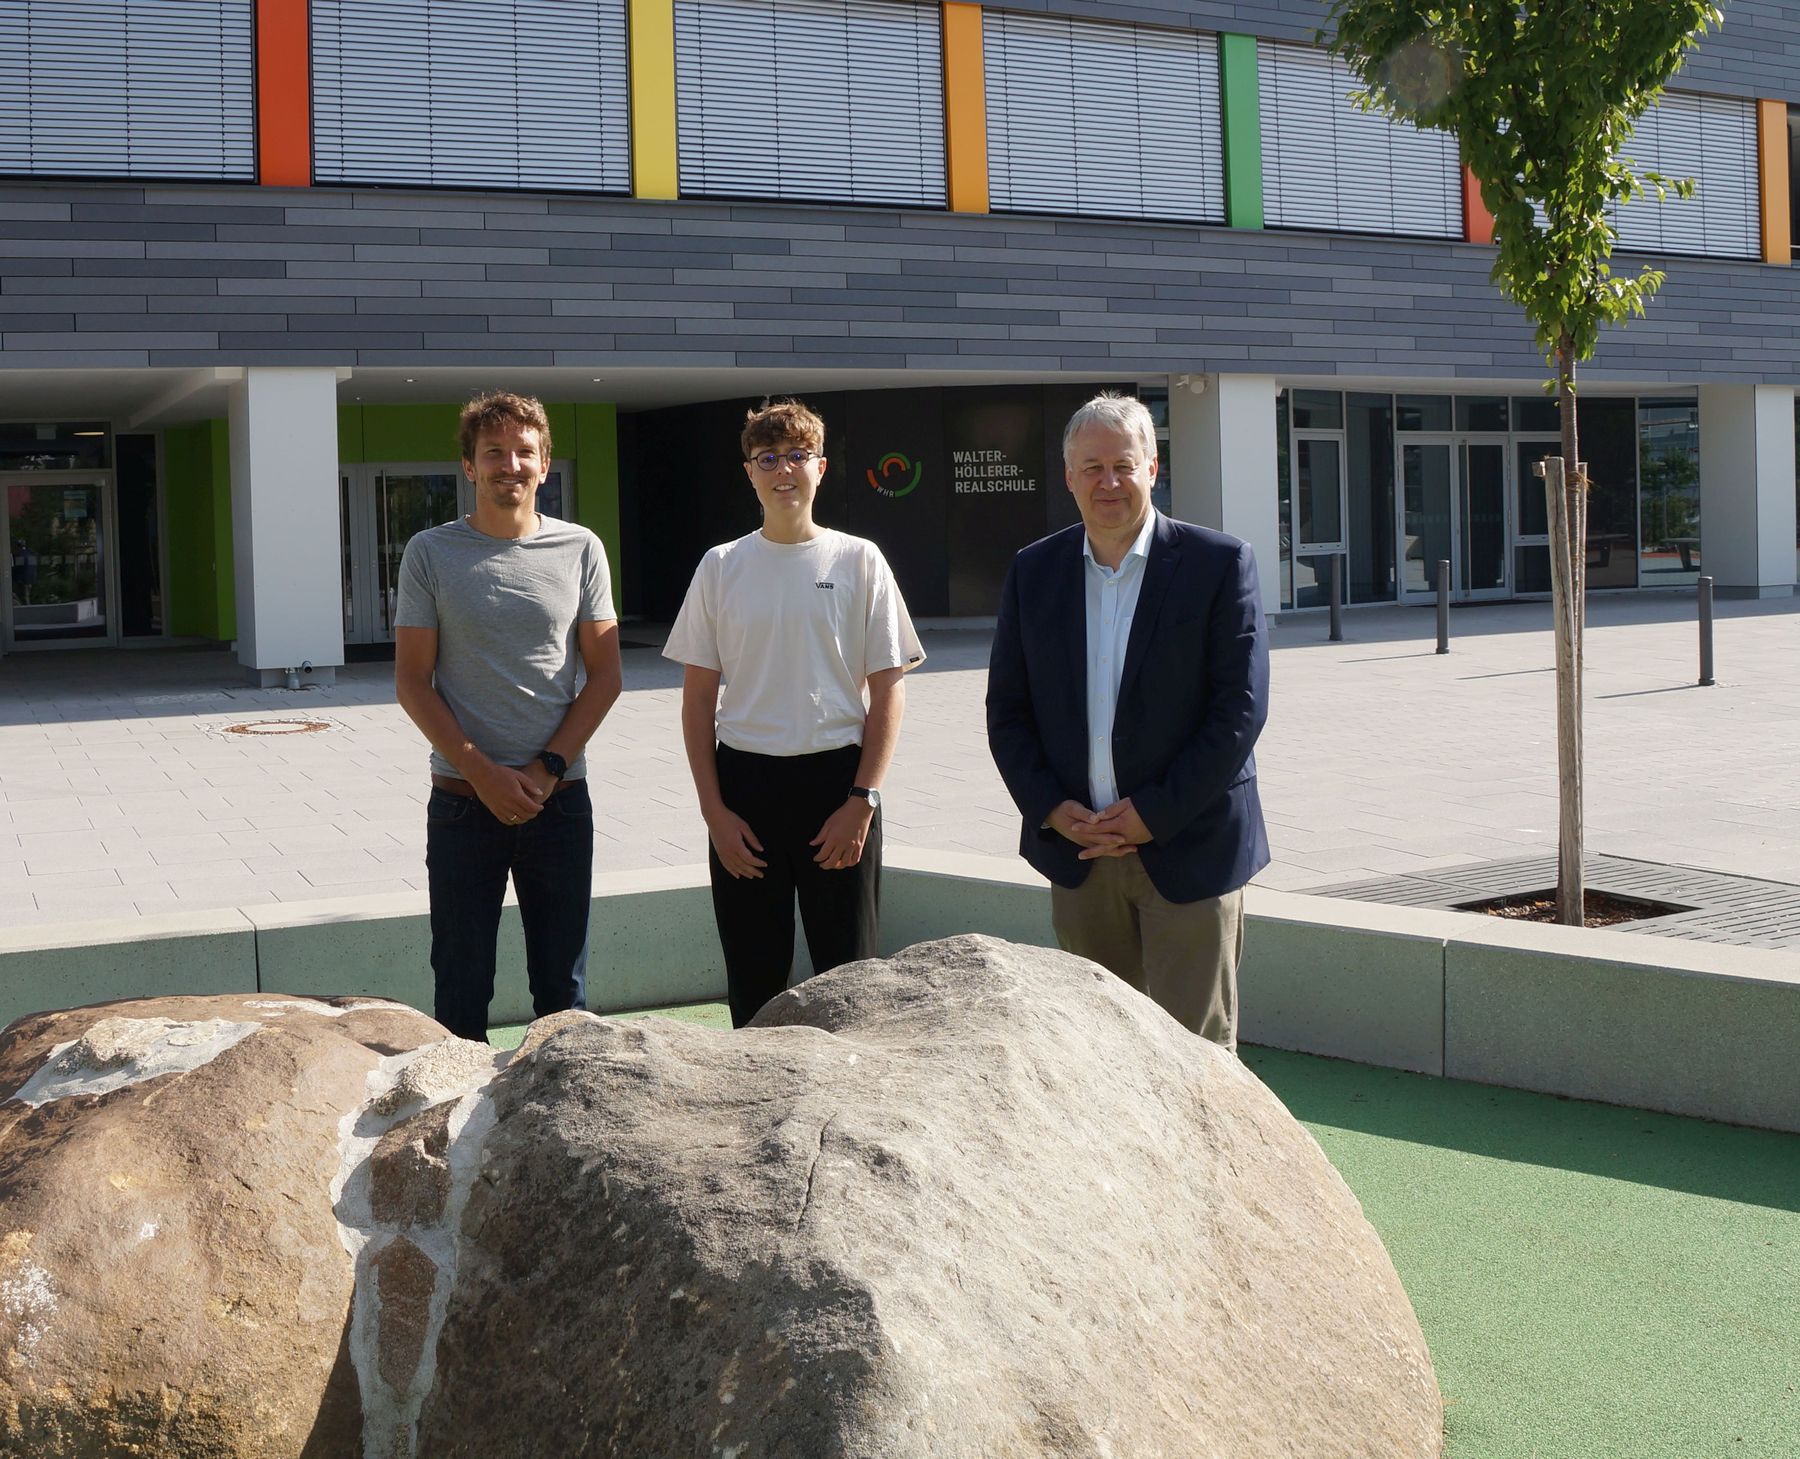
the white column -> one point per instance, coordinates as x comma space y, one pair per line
284, 515
1747, 489
1222, 448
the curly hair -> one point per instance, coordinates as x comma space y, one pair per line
775, 422
498, 408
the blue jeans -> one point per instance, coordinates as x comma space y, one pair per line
469, 853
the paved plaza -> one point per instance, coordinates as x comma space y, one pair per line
126, 790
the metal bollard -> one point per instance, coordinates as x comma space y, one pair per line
1706, 654
1443, 576
1337, 598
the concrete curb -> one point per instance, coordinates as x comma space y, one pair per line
1690, 1028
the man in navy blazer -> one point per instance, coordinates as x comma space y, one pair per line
1128, 683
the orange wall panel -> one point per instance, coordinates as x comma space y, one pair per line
1478, 222
965, 108
283, 94
1777, 221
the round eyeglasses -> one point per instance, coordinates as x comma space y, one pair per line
769, 460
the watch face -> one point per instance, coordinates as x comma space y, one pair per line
873, 797
555, 764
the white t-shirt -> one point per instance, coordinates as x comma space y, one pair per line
796, 629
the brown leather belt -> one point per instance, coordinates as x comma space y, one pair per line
463, 788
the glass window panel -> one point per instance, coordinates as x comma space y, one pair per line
1284, 497
1425, 480
1318, 410
58, 577
1484, 516
1481, 413
1669, 492
1318, 492
405, 504
139, 538
1369, 451
1422, 412
1793, 124
1609, 442
1536, 413
1531, 572
1534, 509
55, 446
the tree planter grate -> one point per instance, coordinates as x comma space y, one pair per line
1701, 906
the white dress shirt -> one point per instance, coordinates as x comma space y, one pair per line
1112, 598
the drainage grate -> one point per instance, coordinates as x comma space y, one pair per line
278, 727
1713, 906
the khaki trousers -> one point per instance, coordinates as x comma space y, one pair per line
1183, 955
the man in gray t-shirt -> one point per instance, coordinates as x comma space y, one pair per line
506, 656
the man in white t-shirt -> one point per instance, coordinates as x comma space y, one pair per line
805, 629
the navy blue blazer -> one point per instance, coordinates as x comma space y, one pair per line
1193, 695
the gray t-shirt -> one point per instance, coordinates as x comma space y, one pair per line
505, 611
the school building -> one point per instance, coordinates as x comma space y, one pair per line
254, 253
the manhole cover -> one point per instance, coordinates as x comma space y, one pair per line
278, 727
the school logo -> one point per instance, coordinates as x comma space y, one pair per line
893, 478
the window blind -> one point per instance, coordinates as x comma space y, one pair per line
1087, 117
472, 93
127, 88
839, 100
1711, 139
1328, 164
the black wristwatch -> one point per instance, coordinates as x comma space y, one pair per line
863, 792
554, 763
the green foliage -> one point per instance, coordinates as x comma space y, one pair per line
1543, 95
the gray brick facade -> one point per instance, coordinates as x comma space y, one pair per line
90, 276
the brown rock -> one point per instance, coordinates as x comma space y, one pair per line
409, 1174
404, 1278
975, 1200
172, 1278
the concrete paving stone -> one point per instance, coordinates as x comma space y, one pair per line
50, 863
25, 789
52, 842
183, 872
209, 846
330, 892
85, 905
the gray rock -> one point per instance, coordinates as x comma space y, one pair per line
976, 1200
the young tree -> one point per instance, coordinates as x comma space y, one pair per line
1543, 96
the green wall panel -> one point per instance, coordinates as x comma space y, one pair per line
398, 432
1242, 105
202, 580
597, 483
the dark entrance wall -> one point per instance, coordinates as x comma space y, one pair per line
949, 483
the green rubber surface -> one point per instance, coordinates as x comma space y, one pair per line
1594, 1282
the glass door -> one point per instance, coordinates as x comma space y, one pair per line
1531, 534
59, 570
1481, 500
1427, 509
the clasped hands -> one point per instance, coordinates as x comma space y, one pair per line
840, 839
1118, 830
514, 793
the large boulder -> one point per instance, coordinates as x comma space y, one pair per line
174, 1280
979, 1199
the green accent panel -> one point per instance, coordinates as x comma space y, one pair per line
1241, 94
596, 453
202, 579
400, 433
350, 433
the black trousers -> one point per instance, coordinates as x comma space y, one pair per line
786, 799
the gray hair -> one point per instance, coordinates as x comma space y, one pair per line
1119, 412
